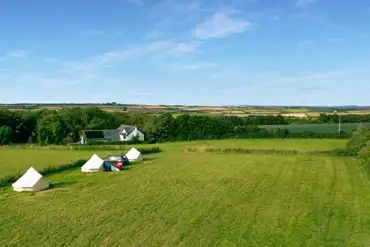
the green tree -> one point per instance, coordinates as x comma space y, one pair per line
5, 135
51, 129
360, 139
165, 123
150, 129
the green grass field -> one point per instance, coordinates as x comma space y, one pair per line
318, 128
197, 200
193, 199
297, 144
21, 159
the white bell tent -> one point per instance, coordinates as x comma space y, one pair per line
134, 155
30, 181
94, 164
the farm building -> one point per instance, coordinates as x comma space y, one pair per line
122, 133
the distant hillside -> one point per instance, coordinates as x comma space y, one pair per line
239, 111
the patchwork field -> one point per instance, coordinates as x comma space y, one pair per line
317, 128
296, 144
241, 111
193, 199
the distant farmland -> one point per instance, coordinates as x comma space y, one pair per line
318, 128
237, 111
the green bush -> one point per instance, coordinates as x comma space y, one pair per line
5, 135
360, 144
360, 139
351, 152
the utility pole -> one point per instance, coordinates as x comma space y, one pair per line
339, 127
339, 124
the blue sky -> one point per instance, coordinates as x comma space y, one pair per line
219, 52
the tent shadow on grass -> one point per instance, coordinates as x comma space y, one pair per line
149, 158
60, 185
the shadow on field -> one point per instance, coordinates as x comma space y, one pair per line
148, 159
61, 185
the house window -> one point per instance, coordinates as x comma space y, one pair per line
124, 135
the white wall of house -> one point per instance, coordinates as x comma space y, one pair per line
129, 137
137, 133
123, 136
83, 139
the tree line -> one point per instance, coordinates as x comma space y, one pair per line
65, 126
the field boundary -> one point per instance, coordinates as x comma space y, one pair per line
88, 148
333, 152
12, 177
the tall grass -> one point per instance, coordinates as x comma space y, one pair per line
334, 152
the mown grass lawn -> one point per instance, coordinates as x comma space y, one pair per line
197, 199
296, 144
12, 160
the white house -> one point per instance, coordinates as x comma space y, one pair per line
122, 133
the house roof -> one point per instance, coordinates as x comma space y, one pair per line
102, 134
112, 134
127, 128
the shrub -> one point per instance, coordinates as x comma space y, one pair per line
68, 140
360, 139
5, 134
344, 152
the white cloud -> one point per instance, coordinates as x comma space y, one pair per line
200, 66
304, 3
164, 47
305, 43
153, 34
312, 77
101, 33
18, 53
168, 16
49, 60
4, 70
94, 32
219, 25
173, 8
183, 47
336, 40
136, 2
